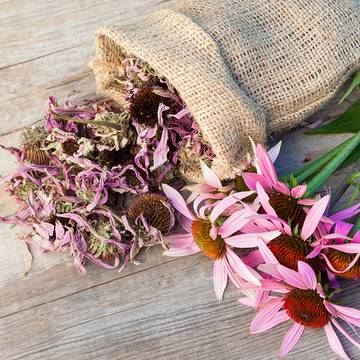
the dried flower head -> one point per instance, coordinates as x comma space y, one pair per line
112, 138
144, 106
189, 163
101, 249
70, 146
155, 209
33, 142
111, 158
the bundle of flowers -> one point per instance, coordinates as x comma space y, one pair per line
281, 246
89, 178
104, 181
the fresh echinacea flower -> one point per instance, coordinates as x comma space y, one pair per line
301, 300
340, 252
209, 233
286, 203
292, 245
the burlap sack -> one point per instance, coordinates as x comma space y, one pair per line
244, 67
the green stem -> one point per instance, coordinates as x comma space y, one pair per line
333, 165
86, 122
306, 171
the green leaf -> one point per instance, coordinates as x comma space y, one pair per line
332, 165
352, 158
315, 166
355, 83
348, 122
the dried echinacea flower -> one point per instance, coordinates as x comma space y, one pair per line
144, 106
155, 209
33, 142
70, 146
111, 158
102, 250
189, 163
111, 138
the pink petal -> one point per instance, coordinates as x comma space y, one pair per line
240, 268
264, 200
186, 224
350, 248
308, 274
347, 213
298, 191
348, 311
292, 277
344, 332
274, 152
192, 249
334, 342
251, 179
270, 269
220, 278
273, 285
281, 187
247, 301
291, 338
225, 203
343, 228
161, 151
266, 253
279, 318
253, 259
264, 316
177, 201
265, 164
313, 217
180, 240
234, 223
209, 176
315, 252
250, 240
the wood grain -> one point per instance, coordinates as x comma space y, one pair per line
163, 308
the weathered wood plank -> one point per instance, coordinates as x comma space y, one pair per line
33, 29
54, 60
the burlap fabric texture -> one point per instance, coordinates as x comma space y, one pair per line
243, 67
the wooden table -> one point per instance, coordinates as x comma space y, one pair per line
164, 308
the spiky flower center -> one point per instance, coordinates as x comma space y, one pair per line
33, 141
340, 261
144, 106
111, 158
102, 250
287, 208
214, 249
70, 146
306, 307
288, 250
155, 210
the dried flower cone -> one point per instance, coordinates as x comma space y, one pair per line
240, 66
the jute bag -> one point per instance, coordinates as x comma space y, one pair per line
243, 67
